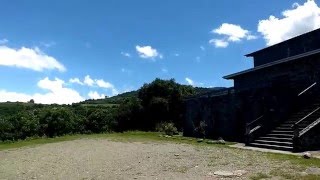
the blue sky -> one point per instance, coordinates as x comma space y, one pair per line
67, 51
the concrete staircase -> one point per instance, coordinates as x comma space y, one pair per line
281, 137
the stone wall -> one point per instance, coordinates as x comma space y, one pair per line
309, 141
213, 117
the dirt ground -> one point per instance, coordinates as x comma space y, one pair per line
105, 159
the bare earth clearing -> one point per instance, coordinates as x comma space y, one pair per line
105, 159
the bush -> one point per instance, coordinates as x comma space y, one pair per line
6, 129
101, 120
167, 128
57, 121
129, 115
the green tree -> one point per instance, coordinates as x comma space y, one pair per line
129, 115
162, 101
101, 120
57, 121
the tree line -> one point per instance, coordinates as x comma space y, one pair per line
155, 104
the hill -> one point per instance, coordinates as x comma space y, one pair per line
118, 99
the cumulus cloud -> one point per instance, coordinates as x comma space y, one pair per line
4, 41
295, 21
126, 54
76, 81
103, 84
96, 95
219, 43
189, 81
164, 70
147, 52
100, 83
88, 81
230, 33
29, 58
127, 71
57, 93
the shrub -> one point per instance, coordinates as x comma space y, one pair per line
6, 129
57, 121
167, 128
101, 120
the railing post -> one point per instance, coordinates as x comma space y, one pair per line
295, 139
247, 135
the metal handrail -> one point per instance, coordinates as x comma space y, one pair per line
305, 130
305, 90
305, 117
255, 120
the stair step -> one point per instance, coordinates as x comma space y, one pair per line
276, 139
282, 131
280, 135
287, 128
280, 143
268, 146
283, 128
286, 125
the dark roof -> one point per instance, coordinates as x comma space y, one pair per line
292, 58
269, 47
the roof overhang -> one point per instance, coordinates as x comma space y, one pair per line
285, 60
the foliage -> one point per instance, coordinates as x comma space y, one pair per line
167, 128
57, 121
100, 120
129, 115
160, 101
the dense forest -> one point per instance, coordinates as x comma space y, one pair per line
155, 106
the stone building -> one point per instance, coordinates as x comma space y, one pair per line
275, 104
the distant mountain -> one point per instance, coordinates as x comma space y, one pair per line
202, 90
112, 100
121, 97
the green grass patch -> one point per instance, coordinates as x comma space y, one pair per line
294, 159
131, 136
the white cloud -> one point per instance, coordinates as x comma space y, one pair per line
233, 32
298, 20
28, 58
202, 48
189, 81
126, 54
96, 95
147, 52
4, 41
57, 93
88, 81
103, 84
230, 33
124, 70
164, 70
176, 54
219, 43
76, 81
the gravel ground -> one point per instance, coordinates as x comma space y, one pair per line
104, 159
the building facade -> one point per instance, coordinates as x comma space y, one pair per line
275, 104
